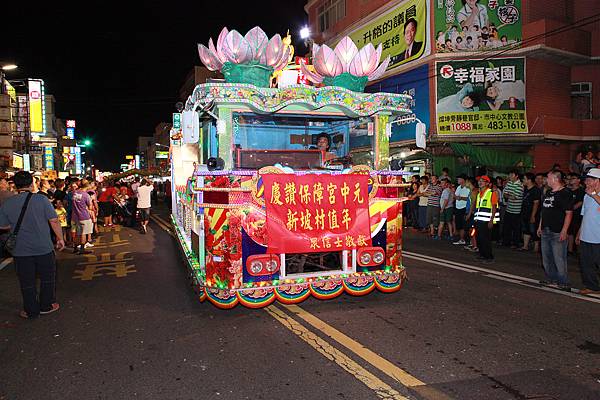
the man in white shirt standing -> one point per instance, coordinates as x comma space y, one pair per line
461, 196
588, 237
144, 192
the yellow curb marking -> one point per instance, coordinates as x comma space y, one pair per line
163, 224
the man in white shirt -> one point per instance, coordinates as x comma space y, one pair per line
144, 192
461, 196
588, 237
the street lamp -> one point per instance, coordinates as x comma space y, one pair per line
163, 145
5, 67
305, 33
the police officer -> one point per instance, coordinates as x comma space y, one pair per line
486, 215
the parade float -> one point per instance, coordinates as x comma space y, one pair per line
285, 193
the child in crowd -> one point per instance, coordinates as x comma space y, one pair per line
61, 212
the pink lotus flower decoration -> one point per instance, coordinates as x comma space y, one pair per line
254, 48
346, 66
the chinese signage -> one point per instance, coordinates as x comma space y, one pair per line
48, 159
402, 32
17, 161
37, 123
162, 154
70, 125
22, 115
486, 24
177, 121
416, 84
316, 213
481, 96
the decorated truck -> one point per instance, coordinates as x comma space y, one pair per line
286, 192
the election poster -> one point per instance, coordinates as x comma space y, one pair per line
316, 213
477, 25
402, 31
481, 96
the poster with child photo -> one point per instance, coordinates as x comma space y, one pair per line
477, 25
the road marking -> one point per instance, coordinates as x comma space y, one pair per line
117, 241
385, 366
5, 263
95, 267
498, 275
382, 389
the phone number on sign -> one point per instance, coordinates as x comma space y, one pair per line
492, 125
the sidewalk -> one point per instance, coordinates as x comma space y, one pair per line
523, 263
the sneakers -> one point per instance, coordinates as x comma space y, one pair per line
473, 249
460, 242
88, 244
55, 307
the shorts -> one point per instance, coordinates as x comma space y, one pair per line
85, 227
433, 216
73, 226
106, 209
459, 221
144, 214
446, 215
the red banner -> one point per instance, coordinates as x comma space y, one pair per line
316, 213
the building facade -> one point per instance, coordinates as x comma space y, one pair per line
515, 83
144, 146
159, 146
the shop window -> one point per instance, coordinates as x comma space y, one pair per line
581, 100
330, 12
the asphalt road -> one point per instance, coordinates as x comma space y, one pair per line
130, 327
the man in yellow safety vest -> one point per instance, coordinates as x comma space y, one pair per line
486, 215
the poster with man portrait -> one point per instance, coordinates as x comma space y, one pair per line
477, 25
402, 31
481, 96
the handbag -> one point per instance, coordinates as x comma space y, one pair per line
11, 241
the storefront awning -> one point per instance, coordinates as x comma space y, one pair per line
496, 159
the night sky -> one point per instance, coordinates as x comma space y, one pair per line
118, 71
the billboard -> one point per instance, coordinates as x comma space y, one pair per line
476, 25
481, 96
72, 159
162, 154
415, 83
402, 31
37, 123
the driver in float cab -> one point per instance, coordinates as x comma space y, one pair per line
324, 144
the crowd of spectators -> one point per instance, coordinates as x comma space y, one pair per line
531, 212
82, 203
